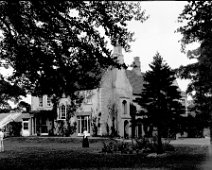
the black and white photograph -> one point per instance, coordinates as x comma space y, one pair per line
106, 85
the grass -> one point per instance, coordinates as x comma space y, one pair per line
67, 153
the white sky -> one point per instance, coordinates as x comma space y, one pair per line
158, 34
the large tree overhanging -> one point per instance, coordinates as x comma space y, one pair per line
197, 16
56, 47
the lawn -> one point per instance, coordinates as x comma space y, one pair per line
67, 153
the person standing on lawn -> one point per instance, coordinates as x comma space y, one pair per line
85, 142
1, 141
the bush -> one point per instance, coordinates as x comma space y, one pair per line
15, 129
142, 145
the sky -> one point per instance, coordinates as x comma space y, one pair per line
157, 34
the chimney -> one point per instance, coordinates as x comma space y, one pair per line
117, 52
137, 66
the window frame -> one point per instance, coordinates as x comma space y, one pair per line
81, 121
124, 107
40, 101
62, 112
48, 101
88, 97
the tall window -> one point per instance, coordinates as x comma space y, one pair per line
48, 101
124, 107
40, 101
88, 97
62, 112
83, 122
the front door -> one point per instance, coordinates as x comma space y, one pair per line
25, 127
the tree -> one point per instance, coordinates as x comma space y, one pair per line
57, 47
197, 28
160, 98
8, 92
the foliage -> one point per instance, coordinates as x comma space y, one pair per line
194, 125
160, 98
23, 104
94, 126
58, 48
61, 42
15, 128
197, 16
8, 91
61, 127
141, 145
115, 146
113, 116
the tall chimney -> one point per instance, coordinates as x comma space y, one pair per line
137, 66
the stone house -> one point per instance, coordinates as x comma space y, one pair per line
105, 110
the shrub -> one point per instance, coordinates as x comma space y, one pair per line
15, 129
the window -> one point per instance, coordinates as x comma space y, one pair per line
62, 112
48, 101
41, 101
83, 122
124, 107
26, 125
88, 97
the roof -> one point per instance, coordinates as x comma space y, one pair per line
6, 118
136, 81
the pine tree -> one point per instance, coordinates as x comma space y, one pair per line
160, 98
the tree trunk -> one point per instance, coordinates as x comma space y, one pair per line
159, 140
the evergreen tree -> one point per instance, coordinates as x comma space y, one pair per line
196, 18
160, 98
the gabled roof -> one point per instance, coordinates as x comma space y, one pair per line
6, 118
136, 81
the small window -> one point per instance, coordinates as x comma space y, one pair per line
62, 114
26, 126
88, 97
48, 101
124, 107
41, 101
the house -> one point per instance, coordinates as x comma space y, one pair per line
107, 110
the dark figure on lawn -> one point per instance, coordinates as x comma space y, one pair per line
85, 142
